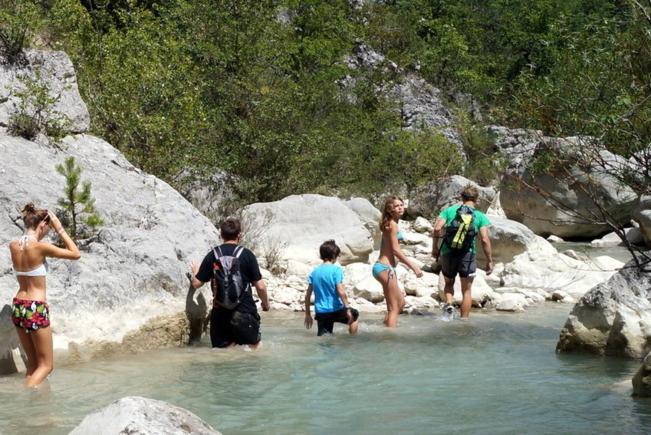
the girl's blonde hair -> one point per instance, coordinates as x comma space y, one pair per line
387, 211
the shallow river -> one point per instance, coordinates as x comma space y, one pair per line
497, 373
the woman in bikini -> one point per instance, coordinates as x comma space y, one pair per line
30, 311
384, 269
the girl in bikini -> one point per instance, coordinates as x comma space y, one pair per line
384, 268
30, 311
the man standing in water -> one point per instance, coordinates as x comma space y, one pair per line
458, 250
231, 270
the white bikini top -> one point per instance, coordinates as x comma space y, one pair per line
40, 270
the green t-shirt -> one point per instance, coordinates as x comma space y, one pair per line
479, 220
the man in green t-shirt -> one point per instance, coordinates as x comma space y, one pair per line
461, 259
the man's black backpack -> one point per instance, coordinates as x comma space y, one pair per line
227, 283
460, 233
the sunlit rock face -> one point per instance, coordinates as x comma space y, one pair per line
54, 69
614, 318
564, 209
132, 271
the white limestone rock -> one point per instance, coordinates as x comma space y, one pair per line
513, 302
422, 225
139, 416
613, 318
542, 267
321, 218
482, 294
536, 212
134, 271
56, 70
370, 289
508, 239
421, 287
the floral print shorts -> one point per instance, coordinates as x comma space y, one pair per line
30, 315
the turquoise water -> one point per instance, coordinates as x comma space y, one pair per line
497, 373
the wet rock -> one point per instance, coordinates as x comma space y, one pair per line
642, 379
614, 318
513, 302
139, 416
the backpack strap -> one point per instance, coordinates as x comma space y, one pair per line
238, 251
218, 252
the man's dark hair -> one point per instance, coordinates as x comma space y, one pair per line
230, 229
329, 251
470, 193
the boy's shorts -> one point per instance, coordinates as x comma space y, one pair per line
229, 326
326, 321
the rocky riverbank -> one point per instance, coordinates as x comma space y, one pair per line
129, 290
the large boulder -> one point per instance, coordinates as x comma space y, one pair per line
614, 318
212, 195
139, 415
56, 70
133, 271
430, 199
301, 223
642, 214
369, 215
508, 239
642, 379
562, 208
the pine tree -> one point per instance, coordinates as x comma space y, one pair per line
78, 205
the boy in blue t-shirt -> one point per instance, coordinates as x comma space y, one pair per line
330, 299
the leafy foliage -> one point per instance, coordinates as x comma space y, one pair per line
254, 88
36, 113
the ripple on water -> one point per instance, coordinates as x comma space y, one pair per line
493, 374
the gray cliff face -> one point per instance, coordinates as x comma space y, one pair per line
419, 103
133, 272
56, 70
576, 217
614, 318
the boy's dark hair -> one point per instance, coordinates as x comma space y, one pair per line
470, 193
230, 229
329, 251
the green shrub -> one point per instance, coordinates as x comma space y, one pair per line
36, 113
78, 205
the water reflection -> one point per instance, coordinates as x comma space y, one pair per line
493, 374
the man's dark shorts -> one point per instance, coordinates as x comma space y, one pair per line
465, 265
229, 326
326, 321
